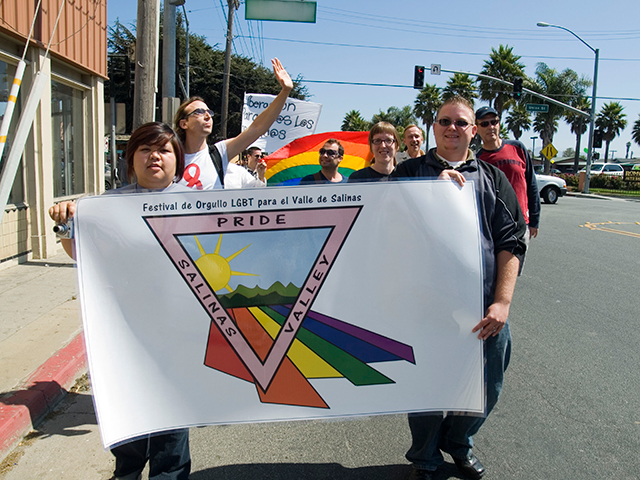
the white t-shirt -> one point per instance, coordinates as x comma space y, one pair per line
199, 171
239, 177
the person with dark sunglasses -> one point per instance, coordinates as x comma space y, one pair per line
206, 166
330, 157
513, 158
502, 228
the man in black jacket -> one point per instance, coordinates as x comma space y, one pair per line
502, 231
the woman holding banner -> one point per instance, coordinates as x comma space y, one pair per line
155, 160
383, 143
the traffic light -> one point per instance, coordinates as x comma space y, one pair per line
517, 87
418, 77
597, 139
596, 156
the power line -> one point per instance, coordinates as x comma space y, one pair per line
449, 52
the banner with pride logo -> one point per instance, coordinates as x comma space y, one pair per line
282, 303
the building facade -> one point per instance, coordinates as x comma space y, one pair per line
64, 154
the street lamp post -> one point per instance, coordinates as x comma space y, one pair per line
533, 149
593, 100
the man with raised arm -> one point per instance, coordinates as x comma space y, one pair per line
205, 167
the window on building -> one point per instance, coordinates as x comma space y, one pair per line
67, 123
7, 73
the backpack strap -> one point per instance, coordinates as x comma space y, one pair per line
217, 162
317, 177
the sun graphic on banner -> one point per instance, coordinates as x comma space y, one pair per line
216, 269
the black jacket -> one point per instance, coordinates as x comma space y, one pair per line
501, 220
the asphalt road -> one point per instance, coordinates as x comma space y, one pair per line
570, 408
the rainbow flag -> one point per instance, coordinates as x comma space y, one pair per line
290, 163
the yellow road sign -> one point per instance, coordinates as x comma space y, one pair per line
549, 151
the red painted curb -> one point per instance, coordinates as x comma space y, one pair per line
22, 409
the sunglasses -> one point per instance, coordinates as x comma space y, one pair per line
445, 122
486, 123
200, 111
387, 141
329, 153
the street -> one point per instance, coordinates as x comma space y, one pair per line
570, 407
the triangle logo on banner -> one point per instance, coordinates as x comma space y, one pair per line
267, 333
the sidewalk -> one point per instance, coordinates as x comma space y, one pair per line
41, 346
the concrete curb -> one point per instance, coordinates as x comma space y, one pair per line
22, 409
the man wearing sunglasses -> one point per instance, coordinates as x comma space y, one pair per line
512, 157
330, 157
502, 229
205, 167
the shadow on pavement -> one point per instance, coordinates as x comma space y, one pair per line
76, 410
315, 471
49, 263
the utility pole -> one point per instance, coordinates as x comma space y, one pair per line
144, 95
170, 103
233, 5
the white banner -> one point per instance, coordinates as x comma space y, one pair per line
297, 119
280, 304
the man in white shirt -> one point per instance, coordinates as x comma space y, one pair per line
194, 123
413, 139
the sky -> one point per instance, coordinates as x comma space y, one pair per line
380, 42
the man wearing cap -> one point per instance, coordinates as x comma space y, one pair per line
512, 157
412, 138
502, 229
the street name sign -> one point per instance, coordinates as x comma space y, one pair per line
537, 107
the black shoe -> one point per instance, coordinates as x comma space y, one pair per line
420, 474
470, 466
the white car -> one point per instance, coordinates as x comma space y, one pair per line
550, 188
612, 169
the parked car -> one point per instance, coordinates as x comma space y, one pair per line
612, 169
551, 188
540, 169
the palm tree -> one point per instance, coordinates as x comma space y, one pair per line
426, 107
578, 124
518, 120
460, 84
502, 64
561, 86
353, 122
398, 117
611, 121
635, 134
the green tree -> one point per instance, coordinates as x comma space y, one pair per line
611, 121
561, 86
460, 84
353, 122
518, 120
578, 124
426, 107
635, 133
205, 71
398, 117
502, 64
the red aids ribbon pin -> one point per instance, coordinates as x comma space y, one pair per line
192, 180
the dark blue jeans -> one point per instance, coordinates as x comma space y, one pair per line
432, 433
167, 453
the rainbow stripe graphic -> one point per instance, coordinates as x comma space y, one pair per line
325, 347
289, 164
